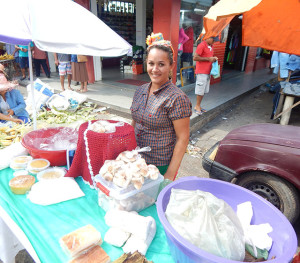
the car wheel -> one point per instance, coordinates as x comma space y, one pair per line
277, 191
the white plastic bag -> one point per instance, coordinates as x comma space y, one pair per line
58, 102
70, 94
42, 92
207, 222
7, 154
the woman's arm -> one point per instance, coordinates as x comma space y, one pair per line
133, 123
17, 100
182, 130
8, 118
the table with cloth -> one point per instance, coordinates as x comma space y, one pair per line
45, 225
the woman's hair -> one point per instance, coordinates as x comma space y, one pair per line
163, 48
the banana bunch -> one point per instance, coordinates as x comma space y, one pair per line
10, 135
6, 56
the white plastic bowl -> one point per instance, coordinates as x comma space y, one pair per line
51, 173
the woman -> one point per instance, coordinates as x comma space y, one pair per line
12, 105
79, 73
161, 112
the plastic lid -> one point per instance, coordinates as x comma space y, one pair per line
112, 190
37, 165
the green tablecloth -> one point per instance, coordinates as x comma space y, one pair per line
45, 225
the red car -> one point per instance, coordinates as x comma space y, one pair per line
264, 158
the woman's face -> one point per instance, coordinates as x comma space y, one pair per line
158, 66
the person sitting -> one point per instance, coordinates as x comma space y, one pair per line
12, 104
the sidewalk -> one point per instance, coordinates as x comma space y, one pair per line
118, 96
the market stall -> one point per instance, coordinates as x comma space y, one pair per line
45, 225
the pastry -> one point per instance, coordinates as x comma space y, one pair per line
94, 255
21, 184
80, 240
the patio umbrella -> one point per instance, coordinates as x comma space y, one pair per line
60, 26
273, 25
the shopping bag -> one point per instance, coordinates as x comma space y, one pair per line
42, 92
215, 70
82, 58
207, 222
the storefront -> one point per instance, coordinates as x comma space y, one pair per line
134, 20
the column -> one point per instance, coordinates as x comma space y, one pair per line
96, 60
166, 15
141, 23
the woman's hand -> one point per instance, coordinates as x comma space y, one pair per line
17, 120
10, 112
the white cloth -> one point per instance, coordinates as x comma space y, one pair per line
129, 222
53, 191
255, 235
116, 236
135, 243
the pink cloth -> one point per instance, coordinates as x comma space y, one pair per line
5, 84
183, 38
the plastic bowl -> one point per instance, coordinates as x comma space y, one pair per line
284, 237
56, 157
51, 173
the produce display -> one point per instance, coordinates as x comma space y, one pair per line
6, 56
85, 112
9, 135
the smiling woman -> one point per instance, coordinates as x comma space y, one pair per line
161, 111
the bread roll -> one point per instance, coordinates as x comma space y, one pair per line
21, 184
80, 240
94, 255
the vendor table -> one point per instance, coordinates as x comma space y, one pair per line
39, 228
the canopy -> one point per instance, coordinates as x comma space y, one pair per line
273, 25
61, 26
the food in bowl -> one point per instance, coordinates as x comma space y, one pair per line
21, 184
51, 173
37, 165
20, 162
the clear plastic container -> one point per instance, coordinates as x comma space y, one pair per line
20, 172
20, 162
111, 196
51, 173
37, 165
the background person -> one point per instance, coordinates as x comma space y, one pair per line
64, 67
23, 58
161, 112
79, 73
204, 59
40, 59
12, 104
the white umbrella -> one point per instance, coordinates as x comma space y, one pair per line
60, 26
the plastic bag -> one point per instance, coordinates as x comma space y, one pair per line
207, 222
70, 94
58, 102
42, 93
215, 70
7, 154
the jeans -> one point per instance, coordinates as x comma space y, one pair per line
38, 63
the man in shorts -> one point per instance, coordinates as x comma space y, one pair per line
204, 59
23, 59
63, 61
